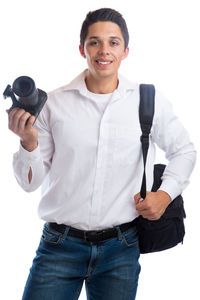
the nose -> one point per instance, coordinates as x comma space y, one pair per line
104, 49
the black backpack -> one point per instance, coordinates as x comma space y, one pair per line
169, 230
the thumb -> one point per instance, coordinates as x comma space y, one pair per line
137, 198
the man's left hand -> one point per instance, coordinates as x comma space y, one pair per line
153, 206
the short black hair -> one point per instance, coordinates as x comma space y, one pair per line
103, 15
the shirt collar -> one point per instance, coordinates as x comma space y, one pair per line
79, 84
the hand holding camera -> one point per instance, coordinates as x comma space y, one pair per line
28, 101
21, 123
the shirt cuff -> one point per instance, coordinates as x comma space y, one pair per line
28, 156
171, 187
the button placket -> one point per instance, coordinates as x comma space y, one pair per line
98, 186
100, 171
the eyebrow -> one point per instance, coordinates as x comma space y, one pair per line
111, 37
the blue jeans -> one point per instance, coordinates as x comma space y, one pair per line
62, 263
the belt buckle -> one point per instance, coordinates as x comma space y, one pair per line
93, 236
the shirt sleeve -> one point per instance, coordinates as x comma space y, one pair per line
170, 135
39, 160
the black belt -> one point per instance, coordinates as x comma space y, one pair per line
93, 235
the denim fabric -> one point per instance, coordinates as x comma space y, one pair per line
62, 263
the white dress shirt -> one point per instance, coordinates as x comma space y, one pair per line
89, 159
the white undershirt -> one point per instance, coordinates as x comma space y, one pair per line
101, 100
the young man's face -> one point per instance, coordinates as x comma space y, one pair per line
104, 49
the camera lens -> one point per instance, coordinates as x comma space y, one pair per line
25, 90
23, 86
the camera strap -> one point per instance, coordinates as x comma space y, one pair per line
146, 113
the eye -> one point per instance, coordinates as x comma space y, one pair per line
114, 43
93, 43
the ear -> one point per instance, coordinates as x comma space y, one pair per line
126, 52
82, 51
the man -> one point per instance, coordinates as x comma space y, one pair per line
85, 150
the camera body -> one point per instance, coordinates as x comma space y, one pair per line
25, 95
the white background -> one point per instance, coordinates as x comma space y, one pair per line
40, 39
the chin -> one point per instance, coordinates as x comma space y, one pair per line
105, 74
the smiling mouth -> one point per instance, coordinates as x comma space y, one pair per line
103, 63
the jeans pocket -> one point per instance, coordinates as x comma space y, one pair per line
130, 237
50, 236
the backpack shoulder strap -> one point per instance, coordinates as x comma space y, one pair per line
146, 113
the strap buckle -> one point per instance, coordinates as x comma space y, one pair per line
144, 139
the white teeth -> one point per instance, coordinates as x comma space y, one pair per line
104, 62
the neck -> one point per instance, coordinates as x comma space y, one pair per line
101, 85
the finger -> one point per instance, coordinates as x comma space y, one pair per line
13, 111
22, 121
142, 211
14, 116
137, 198
11, 114
149, 217
141, 205
144, 207
30, 122
146, 214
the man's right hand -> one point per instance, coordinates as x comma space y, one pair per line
17, 119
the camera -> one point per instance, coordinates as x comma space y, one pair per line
24, 94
